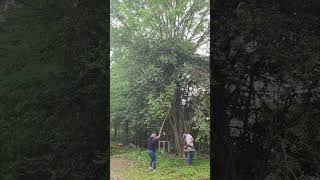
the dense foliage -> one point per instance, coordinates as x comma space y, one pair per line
157, 73
53, 90
266, 92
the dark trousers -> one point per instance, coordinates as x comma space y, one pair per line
190, 156
153, 158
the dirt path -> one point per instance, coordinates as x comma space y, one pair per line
116, 166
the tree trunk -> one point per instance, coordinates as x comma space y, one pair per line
177, 133
126, 128
177, 121
115, 132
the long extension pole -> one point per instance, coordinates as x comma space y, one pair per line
164, 120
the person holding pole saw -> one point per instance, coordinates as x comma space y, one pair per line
153, 142
151, 150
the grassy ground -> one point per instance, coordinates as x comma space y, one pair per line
133, 164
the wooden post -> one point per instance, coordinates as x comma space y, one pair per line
163, 148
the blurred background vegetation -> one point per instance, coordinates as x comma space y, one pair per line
265, 93
53, 89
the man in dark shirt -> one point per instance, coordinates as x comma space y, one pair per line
152, 146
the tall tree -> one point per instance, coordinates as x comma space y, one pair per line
160, 39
